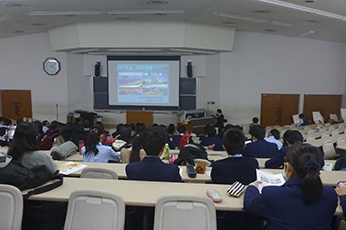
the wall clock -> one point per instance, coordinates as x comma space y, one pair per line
51, 66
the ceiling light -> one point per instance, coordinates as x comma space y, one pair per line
251, 19
13, 5
156, 2
302, 8
307, 34
192, 51
106, 12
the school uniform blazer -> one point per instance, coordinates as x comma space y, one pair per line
343, 203
231, 169
217, 141
284, 206
278, 160
151, 168
260, 149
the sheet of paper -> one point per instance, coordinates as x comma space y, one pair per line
269, 179
70, 167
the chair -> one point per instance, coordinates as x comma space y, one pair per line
94, 209
310, 139
335, 132
295, 118
334, 117
184, 212
325, 135
317, 117
329, 150
11, 212
341, 141
99, 173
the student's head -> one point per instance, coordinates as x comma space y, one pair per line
7, 122
126, 132
24, 140
292, 136
275, 133
153, 139
301, 116
257, 132
45, 123
304, 161
171, 129
219, 111
181, 129
92, 139
255, 120
99, 124
38, 126
233, 141
210, 130
54, 125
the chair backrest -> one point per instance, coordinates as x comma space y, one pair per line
295, 118
334, 117
99, 173
335, 132
11, 211
325, 135
94, 209
310, 138
329, 150
184, 212
341, 141
317, 117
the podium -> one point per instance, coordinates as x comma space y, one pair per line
136, 116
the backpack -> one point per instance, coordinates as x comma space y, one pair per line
185, 139
15, 174
190, 152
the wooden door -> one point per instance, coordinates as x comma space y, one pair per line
325, 104
277, 109
16, 104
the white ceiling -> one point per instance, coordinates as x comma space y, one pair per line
247, 15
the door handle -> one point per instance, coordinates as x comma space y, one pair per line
17, 108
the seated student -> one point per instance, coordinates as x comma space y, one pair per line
302, 202
24, 149
211, 140
255, 121
176, 138
290, 137
45, 126
151, 168
235, 167
259, 147
341, 191
274, 137
171, 130
302, 120
94, 151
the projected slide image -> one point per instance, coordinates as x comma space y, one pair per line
143, 81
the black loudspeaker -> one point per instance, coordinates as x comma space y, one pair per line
189, 69
97, 69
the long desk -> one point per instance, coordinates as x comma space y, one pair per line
143, 193
261, 162
328, 177
120, 170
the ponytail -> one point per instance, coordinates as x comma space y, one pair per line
312, 186
306, 162
136, 148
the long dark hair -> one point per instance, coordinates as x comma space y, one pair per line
91, 140
24, 140
136, 148
306, 162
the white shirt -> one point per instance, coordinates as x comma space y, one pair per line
272, 139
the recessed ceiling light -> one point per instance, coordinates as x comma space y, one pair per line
18, 31
13, 4
260, 11
312, 21
157, 2
309, 1
37, 24
159, 14
122, 19
228, 23
270, 30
